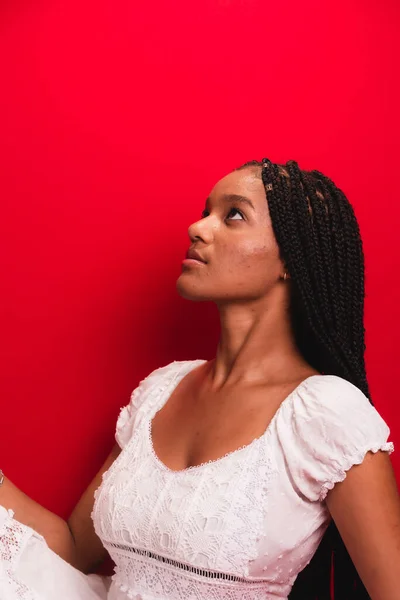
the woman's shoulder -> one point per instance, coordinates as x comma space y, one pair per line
324, 405
327, 396
146, 395
169, 368
328, 426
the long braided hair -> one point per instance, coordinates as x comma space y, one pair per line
320, 243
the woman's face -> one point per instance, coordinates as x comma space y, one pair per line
235, 239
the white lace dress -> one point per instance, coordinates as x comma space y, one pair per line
238, 528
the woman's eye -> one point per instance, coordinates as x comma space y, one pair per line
235, 210
238, 216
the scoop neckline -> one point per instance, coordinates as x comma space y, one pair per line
168, 390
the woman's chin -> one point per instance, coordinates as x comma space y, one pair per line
189, 292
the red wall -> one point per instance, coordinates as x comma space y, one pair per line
116, 118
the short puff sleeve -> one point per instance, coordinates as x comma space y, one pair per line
328, 428
149, 388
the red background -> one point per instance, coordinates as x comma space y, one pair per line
116, 119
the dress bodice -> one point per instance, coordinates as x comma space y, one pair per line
240, 527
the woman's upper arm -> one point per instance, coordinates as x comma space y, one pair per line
90, 550
366, 510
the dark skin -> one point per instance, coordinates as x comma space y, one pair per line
229, 401
244, 277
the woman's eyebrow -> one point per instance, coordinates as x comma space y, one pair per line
234, 198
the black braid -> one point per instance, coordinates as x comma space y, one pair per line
320, 243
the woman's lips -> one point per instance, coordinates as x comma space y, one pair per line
194, 255
191, 262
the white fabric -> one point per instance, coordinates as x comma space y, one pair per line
29, 570
240, 527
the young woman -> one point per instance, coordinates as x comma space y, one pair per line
255, 475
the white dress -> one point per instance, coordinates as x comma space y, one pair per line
238, 528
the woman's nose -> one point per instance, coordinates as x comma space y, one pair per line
200, 230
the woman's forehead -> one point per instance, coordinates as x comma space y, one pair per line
245, 182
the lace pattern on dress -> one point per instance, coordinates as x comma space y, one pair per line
13, 537
162, 581
175, 563
211, 517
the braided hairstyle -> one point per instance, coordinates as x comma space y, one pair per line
320, 244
